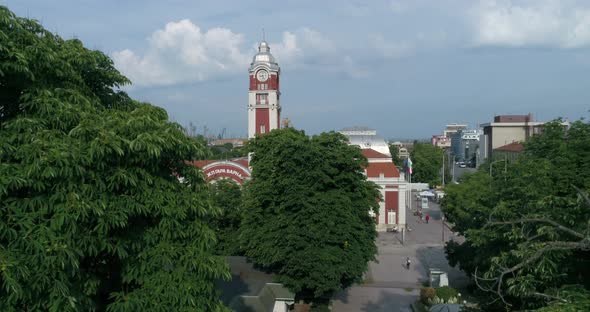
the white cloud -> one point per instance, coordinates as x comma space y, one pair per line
562, 24
182, 52
308, 49
301, 47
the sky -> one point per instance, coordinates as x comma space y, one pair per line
405, 68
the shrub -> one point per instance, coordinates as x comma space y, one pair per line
446, 293
427, 294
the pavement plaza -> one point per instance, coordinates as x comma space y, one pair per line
389, 285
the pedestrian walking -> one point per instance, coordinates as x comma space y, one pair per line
427, 218
408, 262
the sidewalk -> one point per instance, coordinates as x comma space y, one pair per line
389, 285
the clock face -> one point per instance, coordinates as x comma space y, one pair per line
262, 75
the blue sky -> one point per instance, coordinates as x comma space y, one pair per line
405, 68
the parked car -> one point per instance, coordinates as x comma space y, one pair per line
462, 165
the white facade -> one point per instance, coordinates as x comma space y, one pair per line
383, 172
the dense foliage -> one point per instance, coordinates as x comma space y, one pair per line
394, 151
427, 160
92, 214
308, 211
227, 197
227, 151
526, 229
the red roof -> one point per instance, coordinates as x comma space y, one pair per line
371, 153
388, 169
512, 147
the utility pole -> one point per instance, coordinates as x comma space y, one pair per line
443, 168
453, 164
442, 221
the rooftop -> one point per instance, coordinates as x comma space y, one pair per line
264, 57
371, 153
512, 147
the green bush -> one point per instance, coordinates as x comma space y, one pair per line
322, 307
427, 294
446, 293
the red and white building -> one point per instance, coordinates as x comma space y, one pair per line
264, 113
236, 169
264, 106
383, 172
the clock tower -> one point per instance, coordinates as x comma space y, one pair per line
264, 108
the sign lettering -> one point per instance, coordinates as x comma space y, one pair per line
224, 171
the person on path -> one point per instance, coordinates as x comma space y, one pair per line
408, 262
427, 218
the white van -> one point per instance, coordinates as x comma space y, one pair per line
424, 203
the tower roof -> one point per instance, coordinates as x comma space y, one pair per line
264, 57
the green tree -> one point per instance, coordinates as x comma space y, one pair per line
427, 164
394, 151
527, 229
227, 197
92, 214
308, 211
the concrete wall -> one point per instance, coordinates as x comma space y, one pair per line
506, 135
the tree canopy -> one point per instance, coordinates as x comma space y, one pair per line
526, 229
427, 164
93, 216
308, 211
394, 151
227, 197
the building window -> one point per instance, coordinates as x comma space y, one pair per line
262, 86
261, 98
262, 129
391, 216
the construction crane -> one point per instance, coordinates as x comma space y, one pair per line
287, 123
222, 134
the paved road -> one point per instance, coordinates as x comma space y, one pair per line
388, 285
460, 171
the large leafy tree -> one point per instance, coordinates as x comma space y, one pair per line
394, 151
308, 211
227, 197
93, 216
427, 164
527, 229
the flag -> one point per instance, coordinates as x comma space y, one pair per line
410, 165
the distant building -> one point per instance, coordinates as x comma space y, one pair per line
453, 128
383, 172
233, 142
366, 138
464, 144
441, 141
509, 151
506, 129
403, 153
253, 290
402, 149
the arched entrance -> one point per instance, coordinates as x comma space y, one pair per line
226, 169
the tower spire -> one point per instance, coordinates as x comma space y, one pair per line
263, 35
